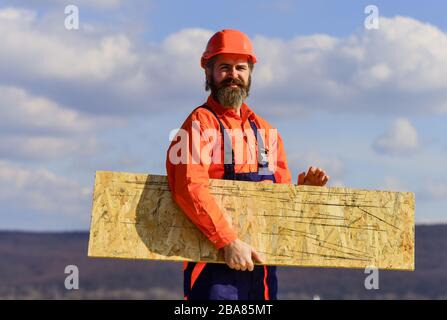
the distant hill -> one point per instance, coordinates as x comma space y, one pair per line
32, 267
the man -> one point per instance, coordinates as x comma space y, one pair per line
228, 62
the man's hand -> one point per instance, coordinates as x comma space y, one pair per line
314, 177
240, 256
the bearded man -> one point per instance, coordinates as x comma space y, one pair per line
242, 148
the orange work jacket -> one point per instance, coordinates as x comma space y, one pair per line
189, 179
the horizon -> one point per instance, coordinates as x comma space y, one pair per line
419, 224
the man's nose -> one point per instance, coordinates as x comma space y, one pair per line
232, 71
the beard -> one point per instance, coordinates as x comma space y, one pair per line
225, 94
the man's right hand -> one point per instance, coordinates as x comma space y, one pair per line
240, 256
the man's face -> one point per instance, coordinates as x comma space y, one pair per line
229, 79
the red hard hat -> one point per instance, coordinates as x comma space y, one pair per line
228, 41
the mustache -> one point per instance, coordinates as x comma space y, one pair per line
230, 81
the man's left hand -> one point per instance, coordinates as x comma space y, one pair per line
314, 177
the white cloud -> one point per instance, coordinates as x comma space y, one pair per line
21, 111
43, 148
54, 84
427, 190
12, 14
401, 139
400, 67
35, 128
380, 72
98, 71
38, 52
394, 184
434, 190
42, 191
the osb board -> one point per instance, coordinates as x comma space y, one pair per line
134, 217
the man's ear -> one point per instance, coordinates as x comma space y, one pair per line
207, 72
208, 75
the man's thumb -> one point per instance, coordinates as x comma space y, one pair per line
301, 177
256, 256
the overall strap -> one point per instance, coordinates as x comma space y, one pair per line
228, 148
229, 155
262, 152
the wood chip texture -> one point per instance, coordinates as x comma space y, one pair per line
134, 217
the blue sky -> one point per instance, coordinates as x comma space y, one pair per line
283, 19
369, 106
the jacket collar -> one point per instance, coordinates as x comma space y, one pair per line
221, 111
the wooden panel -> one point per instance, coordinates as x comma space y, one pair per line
134, 217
